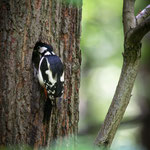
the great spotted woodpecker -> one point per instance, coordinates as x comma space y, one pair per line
50, 74
50, 70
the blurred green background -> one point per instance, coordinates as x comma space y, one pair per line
102, 47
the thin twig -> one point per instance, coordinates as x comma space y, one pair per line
143, 15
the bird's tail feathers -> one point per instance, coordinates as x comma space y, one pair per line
47, 110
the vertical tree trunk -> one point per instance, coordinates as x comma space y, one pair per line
22, 24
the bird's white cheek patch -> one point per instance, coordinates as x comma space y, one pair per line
47, 53
42, 49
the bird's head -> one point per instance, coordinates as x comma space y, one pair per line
42, 48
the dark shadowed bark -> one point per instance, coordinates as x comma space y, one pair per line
22, 24
134, 30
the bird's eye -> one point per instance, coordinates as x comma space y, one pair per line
38, 47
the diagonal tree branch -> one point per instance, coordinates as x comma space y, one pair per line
136, 35
129, 21
121, 98
132, 52
143, 15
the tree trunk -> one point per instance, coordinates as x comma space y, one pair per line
22, 24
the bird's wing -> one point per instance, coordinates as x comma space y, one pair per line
56, 68
48, 80
56, 65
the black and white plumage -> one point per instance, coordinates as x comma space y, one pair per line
50, 70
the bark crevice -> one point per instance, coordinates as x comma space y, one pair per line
23, 23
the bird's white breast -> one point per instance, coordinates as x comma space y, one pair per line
40, 74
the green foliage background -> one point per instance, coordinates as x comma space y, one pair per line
102, 47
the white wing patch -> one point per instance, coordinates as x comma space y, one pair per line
53, 53
62, 77
50, 77
49, 73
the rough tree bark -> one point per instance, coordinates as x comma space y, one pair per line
22, 24
134, 30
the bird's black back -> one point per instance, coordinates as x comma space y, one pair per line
55, 65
